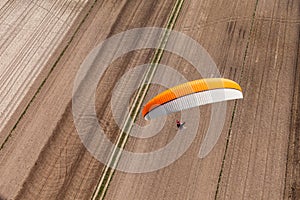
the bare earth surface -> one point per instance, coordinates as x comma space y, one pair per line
255, 165
30, 32
50, 161
260, 53
223, 30
255, 43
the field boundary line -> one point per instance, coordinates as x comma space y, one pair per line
107, 175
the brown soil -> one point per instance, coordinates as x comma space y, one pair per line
33, 34
250, 158
255, 43
50, 161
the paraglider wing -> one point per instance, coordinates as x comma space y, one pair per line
192, 94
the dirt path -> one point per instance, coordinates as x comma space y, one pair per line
30, 34
50, 161
265, 64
